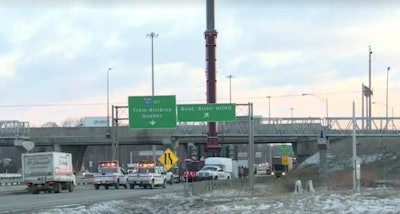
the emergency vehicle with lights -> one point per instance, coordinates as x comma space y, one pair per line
190, 167
48, 171
110, 174
148, 175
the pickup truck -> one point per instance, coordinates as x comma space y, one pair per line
110, 174
210, 172
172, 176
148, 175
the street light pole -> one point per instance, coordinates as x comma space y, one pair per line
387, 94
152, 35
230, 76
291, 112
269, 106
108, 97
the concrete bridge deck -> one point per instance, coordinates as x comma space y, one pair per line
266, 130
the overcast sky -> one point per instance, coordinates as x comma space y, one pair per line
54, 56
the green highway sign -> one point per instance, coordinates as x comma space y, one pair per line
284, 149
152, 112
210, 112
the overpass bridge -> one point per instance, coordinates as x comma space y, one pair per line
300, 131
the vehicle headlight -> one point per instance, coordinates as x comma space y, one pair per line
272, 173
283, 173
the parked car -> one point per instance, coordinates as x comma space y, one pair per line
268, 169
86, 174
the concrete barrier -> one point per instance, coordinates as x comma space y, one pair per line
298, 188
309, 186
16, 182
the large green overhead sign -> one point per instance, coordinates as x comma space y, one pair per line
211, 112
152, 112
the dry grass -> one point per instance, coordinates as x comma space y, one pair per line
385, 169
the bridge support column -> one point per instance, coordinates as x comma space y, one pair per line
323, 145
304, 149
77, 152
57, 148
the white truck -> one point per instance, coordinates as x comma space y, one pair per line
216, 168
281, 165
148, 175
48, 171
110, 174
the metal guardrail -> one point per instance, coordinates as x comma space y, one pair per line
202, 187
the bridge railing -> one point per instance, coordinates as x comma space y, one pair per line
14, 129
300, 126
375, 126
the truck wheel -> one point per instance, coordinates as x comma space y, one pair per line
96, 186
152, 184
117, 185
132, 186
216, 178
57, 188
106, 186
70, 187
34, 190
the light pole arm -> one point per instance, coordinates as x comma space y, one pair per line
325, 100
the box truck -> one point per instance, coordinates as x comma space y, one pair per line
48, 171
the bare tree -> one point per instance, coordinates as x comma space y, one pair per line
71, 122
50, 124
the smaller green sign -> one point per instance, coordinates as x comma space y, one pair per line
284, 149
211, 112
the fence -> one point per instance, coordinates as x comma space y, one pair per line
198, 188
7, 176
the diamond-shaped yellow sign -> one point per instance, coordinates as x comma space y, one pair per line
168, 159
285, 160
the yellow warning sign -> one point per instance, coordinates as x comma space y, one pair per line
285, 160
168, 159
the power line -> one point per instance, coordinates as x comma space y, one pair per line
185, 100
50, 105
